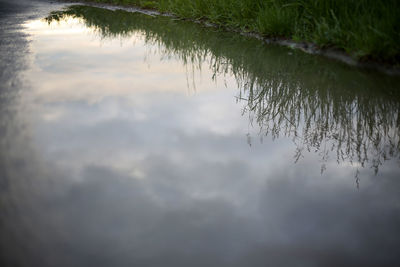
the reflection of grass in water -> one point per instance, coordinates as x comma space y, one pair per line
328, 108
366, 28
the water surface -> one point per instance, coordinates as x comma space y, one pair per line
133, 140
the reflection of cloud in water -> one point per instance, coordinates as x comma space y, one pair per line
341, 113
206, 213
128, 173
98, 69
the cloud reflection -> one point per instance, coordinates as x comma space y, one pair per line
115, 165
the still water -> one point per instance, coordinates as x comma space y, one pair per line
134, 140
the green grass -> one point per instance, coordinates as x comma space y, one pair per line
365, 29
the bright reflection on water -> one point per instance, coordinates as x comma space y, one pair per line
142, 141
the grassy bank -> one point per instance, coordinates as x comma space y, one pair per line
366, 29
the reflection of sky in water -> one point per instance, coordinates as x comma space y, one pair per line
129, 167
106, 100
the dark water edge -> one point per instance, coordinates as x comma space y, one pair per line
65, 201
